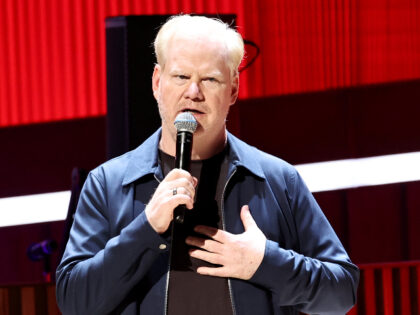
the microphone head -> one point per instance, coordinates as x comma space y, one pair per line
185, 121
41, 250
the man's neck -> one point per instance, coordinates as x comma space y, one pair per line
203, 148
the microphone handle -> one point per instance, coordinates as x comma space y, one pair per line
183, 161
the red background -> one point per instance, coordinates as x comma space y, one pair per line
52, 56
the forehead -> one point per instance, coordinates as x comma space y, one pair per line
199, 52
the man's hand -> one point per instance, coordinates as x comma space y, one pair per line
177, 188
239, 255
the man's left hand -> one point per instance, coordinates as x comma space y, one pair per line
239, 255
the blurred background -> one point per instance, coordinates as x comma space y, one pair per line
322, 80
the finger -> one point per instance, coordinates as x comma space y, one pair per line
182, 182
206, 244
214, 271
178, 173
206, 256
246, 218
180, 190
214, 233
180, 199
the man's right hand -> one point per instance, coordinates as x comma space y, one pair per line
177, 188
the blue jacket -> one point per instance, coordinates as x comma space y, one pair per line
115, 263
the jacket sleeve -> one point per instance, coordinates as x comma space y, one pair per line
317, 277
97, 270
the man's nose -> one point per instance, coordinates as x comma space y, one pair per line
193, 92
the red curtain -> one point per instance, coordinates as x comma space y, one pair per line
52, 55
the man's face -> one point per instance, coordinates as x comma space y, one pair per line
195, 78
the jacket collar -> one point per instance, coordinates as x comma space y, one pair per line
144, 159
245, 156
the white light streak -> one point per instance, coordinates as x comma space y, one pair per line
352, 173
322, 176
34, 208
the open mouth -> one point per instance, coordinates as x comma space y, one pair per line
193, 111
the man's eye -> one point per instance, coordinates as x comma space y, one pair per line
210, 79
182, 77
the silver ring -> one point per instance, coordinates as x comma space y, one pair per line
175, 191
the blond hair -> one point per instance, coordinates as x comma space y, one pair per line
185, 25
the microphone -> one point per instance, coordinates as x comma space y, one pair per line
41, 250
185, 125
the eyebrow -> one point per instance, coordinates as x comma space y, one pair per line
176, 71
213, 74
209, 74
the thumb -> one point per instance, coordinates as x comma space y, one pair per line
246, 217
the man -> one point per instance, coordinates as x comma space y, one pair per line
254, 241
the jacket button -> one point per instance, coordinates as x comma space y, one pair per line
162, 246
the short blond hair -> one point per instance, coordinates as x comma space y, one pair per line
186, 25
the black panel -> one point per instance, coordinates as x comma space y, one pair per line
132, 109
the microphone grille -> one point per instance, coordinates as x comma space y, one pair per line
185, 121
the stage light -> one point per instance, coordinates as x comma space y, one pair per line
34, 208
350, 173
322, 176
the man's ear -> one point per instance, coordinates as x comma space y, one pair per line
235, 89
156, 81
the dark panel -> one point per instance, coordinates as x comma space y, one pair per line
39, 158
298, 128
385, 118
334, 206
336, 124
413, 219
375, 223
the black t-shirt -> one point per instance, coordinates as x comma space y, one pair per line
190, 292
